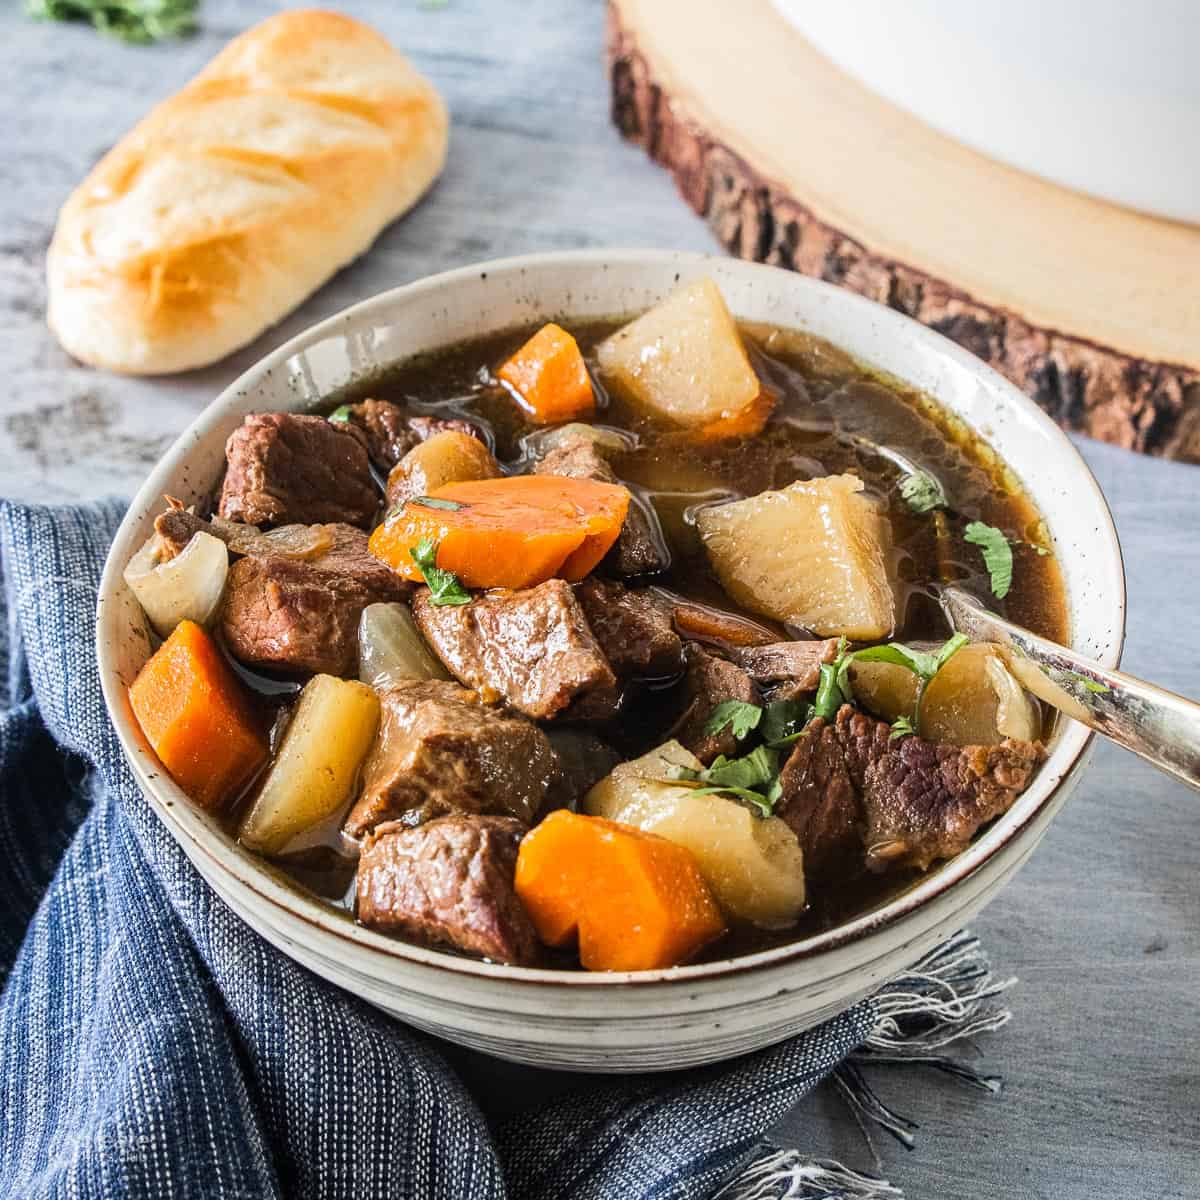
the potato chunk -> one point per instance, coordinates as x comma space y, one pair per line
447, 457
753, 865
317, 765
815, 553
683, 361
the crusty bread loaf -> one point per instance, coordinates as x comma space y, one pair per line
239, 195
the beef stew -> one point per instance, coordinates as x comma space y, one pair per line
676, 575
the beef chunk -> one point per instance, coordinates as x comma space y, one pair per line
634, 630
641, 548
175, 528
285, 468
302, 614
710, 681
532, 647
441, 750
449, 882
857, 799
797, 663
391, 433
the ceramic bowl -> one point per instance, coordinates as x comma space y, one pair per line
1101, 97
652, 1020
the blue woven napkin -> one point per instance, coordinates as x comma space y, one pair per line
152, 1045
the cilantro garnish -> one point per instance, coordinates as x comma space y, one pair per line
737, 714
926, 663
783, 722
340, 415
444, 586
901, 727
435, 502
997, 555
753, 777
833, 690
922, 492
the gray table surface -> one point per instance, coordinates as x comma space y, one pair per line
1102, 1059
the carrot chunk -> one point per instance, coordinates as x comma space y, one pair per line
635, 900
197, 717
514, 532
549, 379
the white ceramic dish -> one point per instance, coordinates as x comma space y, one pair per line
1100, 96
653, 1020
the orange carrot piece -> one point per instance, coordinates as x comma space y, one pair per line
197, 717
514, 532
746, 422
549, 378
635, 900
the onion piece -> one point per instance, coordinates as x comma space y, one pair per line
1017, 714
391, 649
603, 437
288, 541
187, 587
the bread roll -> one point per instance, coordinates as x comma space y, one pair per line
239, 195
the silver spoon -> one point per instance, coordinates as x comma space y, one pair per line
1155, 724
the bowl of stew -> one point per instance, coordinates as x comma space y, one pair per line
549, 652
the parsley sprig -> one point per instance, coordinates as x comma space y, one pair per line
444, 586
137, 21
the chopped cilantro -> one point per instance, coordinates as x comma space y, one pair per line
737, 714
922, 492
784, 721
834, 689
444, 586
925, 663
434, 502
901, 727
997, 555
340, 415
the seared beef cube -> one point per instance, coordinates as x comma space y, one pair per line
710, 681
284, 468
449, 882
641, 548
532, 647
634, 630
797, 663
302, 614
857, 798
441, 750
391, 433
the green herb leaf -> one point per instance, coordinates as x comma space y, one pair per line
922, 492
742, 717
138, 21
1088, 685
753, 777
340, 415
765, 806
784, 721
926, 663
751, 770
997, 555
901, 727
444, 586
833, 689
434, 502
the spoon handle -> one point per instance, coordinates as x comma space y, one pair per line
1155, 724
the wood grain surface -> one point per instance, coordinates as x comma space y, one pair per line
1102, 1060
1092, 309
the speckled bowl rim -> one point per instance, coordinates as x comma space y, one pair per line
187, 824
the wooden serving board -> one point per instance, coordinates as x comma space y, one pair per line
1092, 309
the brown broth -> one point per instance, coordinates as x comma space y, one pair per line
831, 411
